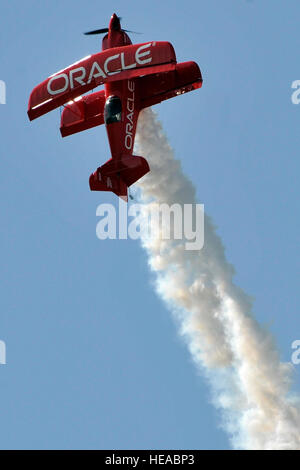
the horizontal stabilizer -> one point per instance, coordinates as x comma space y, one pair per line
117, 175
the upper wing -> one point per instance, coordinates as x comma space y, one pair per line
162, 86
114, 64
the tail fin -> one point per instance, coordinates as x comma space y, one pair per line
117, 175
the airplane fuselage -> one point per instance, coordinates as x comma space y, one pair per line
135, 76
121, 134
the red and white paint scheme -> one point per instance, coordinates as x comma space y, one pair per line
134, 76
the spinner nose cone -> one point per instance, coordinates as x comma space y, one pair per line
114, 23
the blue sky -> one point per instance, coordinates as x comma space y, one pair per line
93, 356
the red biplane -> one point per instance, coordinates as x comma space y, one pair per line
135, 76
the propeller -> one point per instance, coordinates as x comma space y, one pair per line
97, 31
116, 25
128, 31
105, 30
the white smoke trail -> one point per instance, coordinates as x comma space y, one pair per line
250, 385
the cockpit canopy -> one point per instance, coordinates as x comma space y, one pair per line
112, 110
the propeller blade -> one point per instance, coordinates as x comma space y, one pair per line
128, 31
97, 31
105, 30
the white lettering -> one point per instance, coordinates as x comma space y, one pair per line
110, 59
93, 73
296, 354
198, 234
128, 141
135, 226
128, 128
60, 90
77, 79
130, 116
142, 56
166, 221
295, 96
2, 92
153, 222
126, 67
109, 221
139, 54
130, 119
2, 352
128, 105
130, 85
